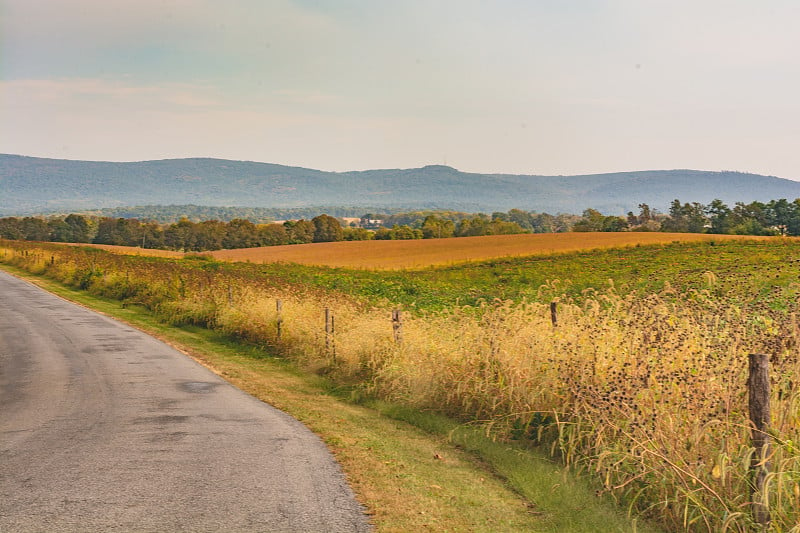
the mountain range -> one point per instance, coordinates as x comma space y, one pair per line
31, 185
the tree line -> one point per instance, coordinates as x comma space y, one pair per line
776, 217
242, 233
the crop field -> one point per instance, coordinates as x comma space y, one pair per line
413, 254
416, 254
640, 382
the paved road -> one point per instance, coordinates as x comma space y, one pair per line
103, 428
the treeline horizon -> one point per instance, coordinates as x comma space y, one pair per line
777, 217
211, 235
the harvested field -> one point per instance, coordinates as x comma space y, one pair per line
396, 255
392, 255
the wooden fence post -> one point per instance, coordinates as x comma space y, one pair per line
758, 396
553, 314
230, 295
397, 326
330, 346
279, 320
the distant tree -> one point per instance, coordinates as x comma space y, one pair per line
436, 227
612, 223
79, 228
273, 235
696, 217
180, 235
523, 218
241, 233
592, 220
402, 233
208, 235
719, 216
10, 228
119, 232
327, 229
505, 227
358, 234
34, 229
473, 227
299, 231
685, 218
383, 234
152, 236
59, 230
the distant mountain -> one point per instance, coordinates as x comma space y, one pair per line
36, 185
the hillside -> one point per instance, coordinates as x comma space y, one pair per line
36, 185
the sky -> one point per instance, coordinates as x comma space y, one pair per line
543, 87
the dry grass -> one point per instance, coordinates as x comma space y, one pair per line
130, 250
430, 252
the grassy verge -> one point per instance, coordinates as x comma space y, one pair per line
414, 471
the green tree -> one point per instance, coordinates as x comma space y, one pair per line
592, 220
327, 229
119, 232
79, 228
240, 233
383, 234
358, 234
34, 229
436, 227
10, 228
504, 227
719, 216
404, 232
180, 235
208, 235
273, 235
299, 231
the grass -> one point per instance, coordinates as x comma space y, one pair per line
414, 470
745, 267
642, 383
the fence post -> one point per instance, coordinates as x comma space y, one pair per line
330, 347
230, 295
758, 396
553, 314
279, 320
397, 326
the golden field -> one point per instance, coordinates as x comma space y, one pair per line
129, 250
393, 255
431, 252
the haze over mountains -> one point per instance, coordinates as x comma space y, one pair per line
30, 185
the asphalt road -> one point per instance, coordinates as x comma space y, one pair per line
103, 428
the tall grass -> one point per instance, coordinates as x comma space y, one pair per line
644, 391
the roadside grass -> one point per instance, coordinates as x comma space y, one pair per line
413, 470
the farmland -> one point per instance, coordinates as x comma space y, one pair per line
416, 254
641, 383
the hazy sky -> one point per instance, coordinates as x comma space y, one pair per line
514, 86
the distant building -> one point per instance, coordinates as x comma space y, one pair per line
370, 223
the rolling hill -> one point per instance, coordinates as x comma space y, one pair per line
37, 185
